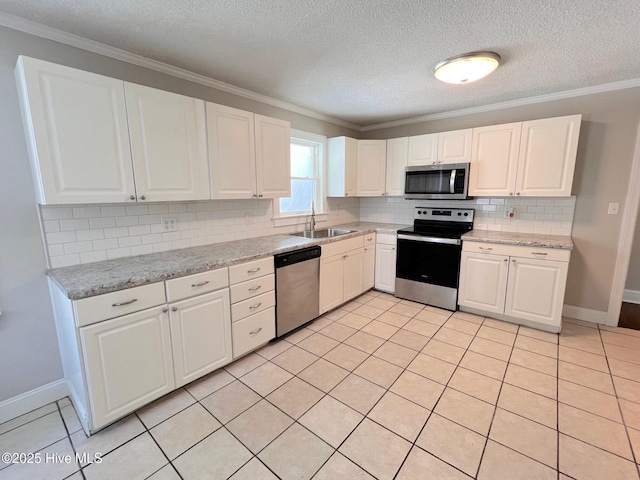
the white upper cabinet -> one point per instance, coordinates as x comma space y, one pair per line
494, 156
548, 150
423, 149
397, 154
77, 135
168, 144
273, 150
455, 146
534, 159
231, 152
372, 160
343, 153
249, 154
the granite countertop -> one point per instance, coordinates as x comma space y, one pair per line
521, 239
90, 279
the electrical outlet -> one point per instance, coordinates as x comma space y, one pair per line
613, 208
170, 224
509, 213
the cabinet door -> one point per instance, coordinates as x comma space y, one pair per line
273, 151
386, 268
168, 145
535, 290
369, 267
200, 335
397, 151
331, 282
77, 134
483, 281
232, 158
423, 149
494, 160
128, 363
548, 150
455, 146
353, 273
372, 157
341, 174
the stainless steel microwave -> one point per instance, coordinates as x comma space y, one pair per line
448, 181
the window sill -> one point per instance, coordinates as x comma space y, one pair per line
298, 220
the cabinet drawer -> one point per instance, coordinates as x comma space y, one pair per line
343, 246
387, 239
197, 284
559, 255
251, 332
115, 304
369, 239
252, 288
253, 305
247, 271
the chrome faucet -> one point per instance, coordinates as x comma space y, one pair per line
312, 221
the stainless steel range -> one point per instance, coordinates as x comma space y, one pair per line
428, 264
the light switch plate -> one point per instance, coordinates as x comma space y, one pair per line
613, 208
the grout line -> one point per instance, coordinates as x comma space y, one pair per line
158, 445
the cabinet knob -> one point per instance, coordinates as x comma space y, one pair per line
132, 197
510, 193
346, 194
143, 197
434, 163
393, 248
518, 193
260, 195
505, 259
165, 310
513, 260
254, 195
174, 309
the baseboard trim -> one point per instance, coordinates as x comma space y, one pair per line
36, 398
586, 314
631, 296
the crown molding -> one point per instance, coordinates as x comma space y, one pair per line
43, 31
607, 87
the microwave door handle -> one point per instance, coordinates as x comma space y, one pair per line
452, 181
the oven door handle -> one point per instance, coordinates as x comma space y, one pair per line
452, 181
416, 238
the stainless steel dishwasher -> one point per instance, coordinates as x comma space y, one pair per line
297, 288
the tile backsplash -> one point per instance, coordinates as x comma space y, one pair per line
532, 215
91, 233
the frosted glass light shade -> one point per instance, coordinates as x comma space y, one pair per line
467, 68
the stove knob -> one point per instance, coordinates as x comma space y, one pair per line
419, 212
459, 214
466, 214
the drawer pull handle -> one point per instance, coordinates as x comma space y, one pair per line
538, 253
122, 304
253, 307
256, 331
253, 270
253, 289
199, 284
485, 248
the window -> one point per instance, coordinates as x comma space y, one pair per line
307, 154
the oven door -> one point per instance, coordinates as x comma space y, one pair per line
429, 260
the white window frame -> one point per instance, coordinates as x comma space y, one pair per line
285, 219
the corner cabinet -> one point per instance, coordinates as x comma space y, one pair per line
249, 154
519, 284
95, 139
535, 158
342, 169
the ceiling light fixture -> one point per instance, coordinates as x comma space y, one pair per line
467, 68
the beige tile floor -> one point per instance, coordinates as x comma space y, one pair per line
380, 388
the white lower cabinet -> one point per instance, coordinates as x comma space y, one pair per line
369, 267
200, 335
520, 284
385, 263
341, 272
128, 363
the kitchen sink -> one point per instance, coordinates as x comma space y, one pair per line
325, 233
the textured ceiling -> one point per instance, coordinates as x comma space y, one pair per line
366, 61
